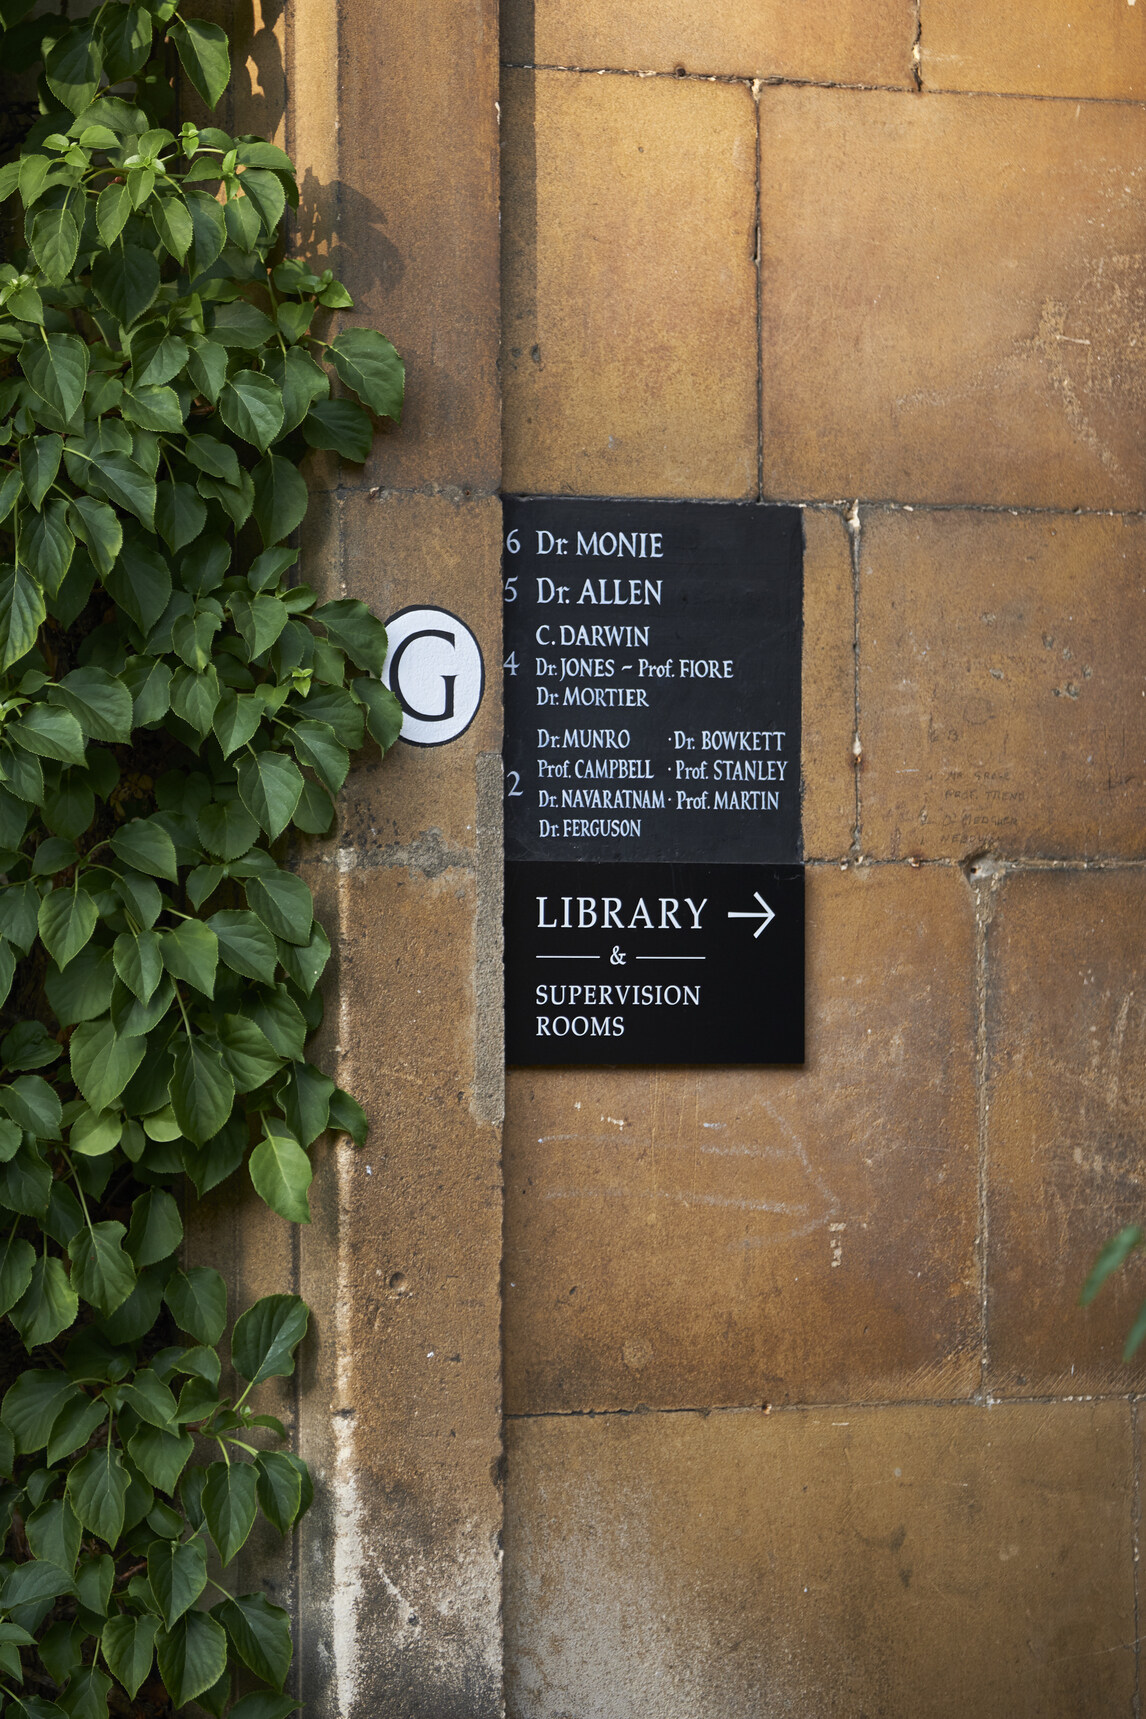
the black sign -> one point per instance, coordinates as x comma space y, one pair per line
652, 682
652, 754
654, 963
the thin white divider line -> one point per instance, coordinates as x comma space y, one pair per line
669, 957
571, 957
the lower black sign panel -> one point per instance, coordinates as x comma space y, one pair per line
635, 963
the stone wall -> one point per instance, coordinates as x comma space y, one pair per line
802, 1417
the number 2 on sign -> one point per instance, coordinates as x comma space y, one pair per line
513, 793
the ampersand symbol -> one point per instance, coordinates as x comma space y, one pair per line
617, 958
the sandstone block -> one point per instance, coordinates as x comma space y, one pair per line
629, 286
952, 294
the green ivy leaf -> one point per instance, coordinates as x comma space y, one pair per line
57, 367
103, 1062
177, 1571
280, 499
347, 1116
96, 525
34, 1581
156, 1227
113, 206
55, 241
263, 1705
279, 1488
101, 1271
161, 1455
198, 1300
210, 235
306, 1101
153, 407
172, 221
96, 1488
192, 1656
84, 990
260, 1633
191, 953
202, 48
359, 633
87, 1693
16, 1261
100, 703
32, 1404
305, 964
67, 919
126, 281
139, 962
316, 744
125, 482
265, 191
366, 362
49, 732
230, 1505
245, 945
301, 382
252, 407
237, 718
22, 614
342, 426
247, 1052
44, 544
269, 784
202, 1091
126, 38
73, 1427
266, 1336
39, 463
53, 1533
283, 903
49, 1304
282, 1173
180, 513
195, 697
32, 1103
72, 68
225, 828
145, 845
128, 1646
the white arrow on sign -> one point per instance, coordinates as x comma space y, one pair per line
765, 918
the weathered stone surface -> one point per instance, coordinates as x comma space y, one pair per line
1002, 701
397, 1580
629, 286
856, 42
952, 299
687, 1237
1062, 48
937, 1562
1067, 1095
411, 222
400, 1569
829, 805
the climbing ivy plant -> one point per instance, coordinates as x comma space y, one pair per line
173, 704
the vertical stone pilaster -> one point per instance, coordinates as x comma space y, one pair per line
390, 113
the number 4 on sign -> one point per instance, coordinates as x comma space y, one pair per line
510, 662
765, 918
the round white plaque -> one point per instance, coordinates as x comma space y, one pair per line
435, 670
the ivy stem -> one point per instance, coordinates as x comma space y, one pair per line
79, 1189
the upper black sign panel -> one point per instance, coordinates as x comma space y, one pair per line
652, 683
